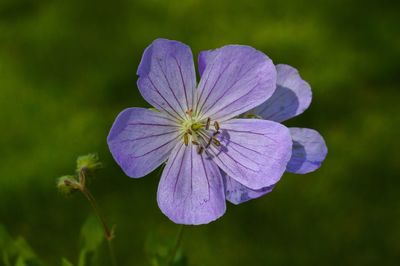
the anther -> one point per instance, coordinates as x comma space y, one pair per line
208, 123
209, 142
200, 150
186, 139
189, 112
195, 142
189, 131
216, 142
216, 125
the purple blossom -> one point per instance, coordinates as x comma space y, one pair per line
195, 129
291, 98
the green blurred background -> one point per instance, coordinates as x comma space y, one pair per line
67, 68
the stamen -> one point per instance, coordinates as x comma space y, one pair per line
208, 123
216, 125
186, 139
201, 133
189, 112
209, 142
216, 142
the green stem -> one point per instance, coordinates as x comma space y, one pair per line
107, 232
96, 209
176, 246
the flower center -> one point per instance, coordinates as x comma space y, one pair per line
202, 133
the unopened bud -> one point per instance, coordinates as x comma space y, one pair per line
88, 162
67, 184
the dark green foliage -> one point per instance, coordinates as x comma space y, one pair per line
16, 251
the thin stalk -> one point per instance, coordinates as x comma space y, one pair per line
176, 246
107, 232
96, 209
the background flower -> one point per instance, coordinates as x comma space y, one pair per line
291, 98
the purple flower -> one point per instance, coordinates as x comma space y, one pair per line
194, 129
291, 98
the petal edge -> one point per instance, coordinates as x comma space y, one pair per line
309, 151
236, 193
292, 96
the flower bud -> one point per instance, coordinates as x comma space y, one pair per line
88, 162
68, 184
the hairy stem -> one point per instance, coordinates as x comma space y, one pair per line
107, 232
99, 215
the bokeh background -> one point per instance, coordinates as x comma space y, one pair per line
67, 68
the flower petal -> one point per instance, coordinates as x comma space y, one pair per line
291, 97
309, 151
204, 58
191, 189
167, 77
141, 139
254, 152
235, 78
236, 193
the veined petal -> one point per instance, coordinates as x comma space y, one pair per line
236, 193
167, 77
309, 151
191, 189
235, 78
291, 97
254, 152
141, 139
204, 58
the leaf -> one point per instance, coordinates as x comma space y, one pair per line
6, 245
180, 259
82, 258
26, 255
92, 234
66, 262
20, 262
17, 250
23, 249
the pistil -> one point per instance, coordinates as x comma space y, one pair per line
200, 133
